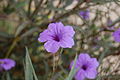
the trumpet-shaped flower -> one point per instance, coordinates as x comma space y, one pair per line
86, 67
6, 64
57, 35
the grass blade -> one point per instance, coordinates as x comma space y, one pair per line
30, 67
73, 70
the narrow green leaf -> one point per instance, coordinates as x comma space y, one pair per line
28, 70
20, 28
30, 65
31, 31
8, 76
73, 70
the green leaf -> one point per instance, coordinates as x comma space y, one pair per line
20, 28
8, 76
73, 70
29, 70
31, 31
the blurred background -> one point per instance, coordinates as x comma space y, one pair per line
21, 21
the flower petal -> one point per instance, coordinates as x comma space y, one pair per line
7, 64
77, 64
84, 14
56, 28
44, 36
67, 42
83, 58
52, 46
116, 35
68, 31
80, 75
91, 73
94, 62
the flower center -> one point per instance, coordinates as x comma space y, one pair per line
56, 38
119, 34
84, 67
84, 14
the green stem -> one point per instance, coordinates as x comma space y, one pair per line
12, 47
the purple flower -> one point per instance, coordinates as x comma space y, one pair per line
7, 64
84, 14
57, 35
87, 67
116, 35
